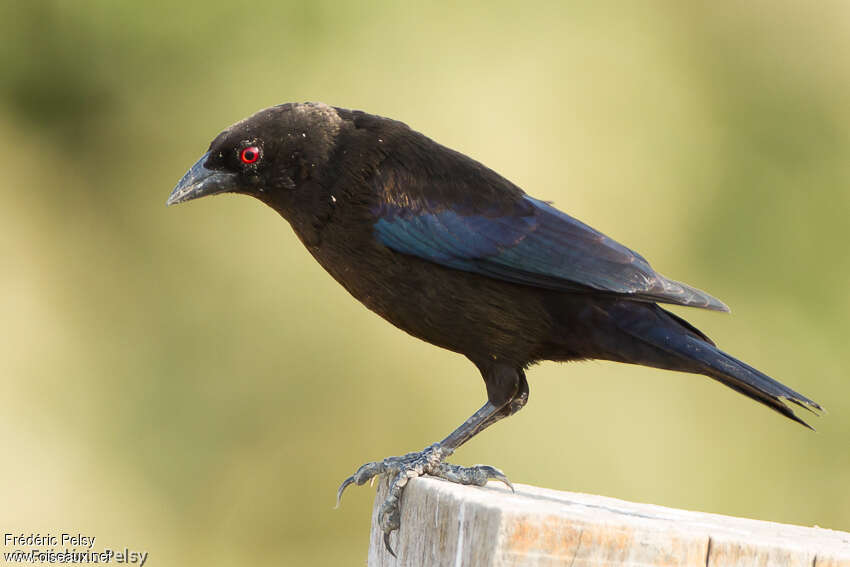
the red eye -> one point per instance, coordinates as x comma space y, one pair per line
250, 154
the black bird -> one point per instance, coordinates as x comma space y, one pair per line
456, 255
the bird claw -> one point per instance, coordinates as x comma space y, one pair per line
477, 475
401, 469
340, 490
387, 544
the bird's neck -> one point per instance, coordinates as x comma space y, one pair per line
308, 208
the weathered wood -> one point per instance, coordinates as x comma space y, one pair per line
448, 524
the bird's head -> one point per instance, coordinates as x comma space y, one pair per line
272, 151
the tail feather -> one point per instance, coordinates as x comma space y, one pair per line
757, 385
705, 358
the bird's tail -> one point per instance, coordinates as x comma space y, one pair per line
675, 336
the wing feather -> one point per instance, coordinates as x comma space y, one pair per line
469, 218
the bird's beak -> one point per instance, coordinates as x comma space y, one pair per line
200, 182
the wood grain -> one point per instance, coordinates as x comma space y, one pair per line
452, 525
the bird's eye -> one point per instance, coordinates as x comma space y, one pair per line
250, 154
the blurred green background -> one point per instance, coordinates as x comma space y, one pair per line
188, 381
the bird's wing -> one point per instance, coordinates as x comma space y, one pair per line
511, 236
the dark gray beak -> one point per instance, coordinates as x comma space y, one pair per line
200, 182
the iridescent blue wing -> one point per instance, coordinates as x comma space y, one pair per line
511, 236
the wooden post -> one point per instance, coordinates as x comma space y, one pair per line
448, 524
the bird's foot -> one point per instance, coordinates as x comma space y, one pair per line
401, 469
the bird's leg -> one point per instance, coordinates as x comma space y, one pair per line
516, 403
430, 461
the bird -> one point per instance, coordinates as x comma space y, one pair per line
452, 253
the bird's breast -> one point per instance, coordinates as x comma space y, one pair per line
460, 311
